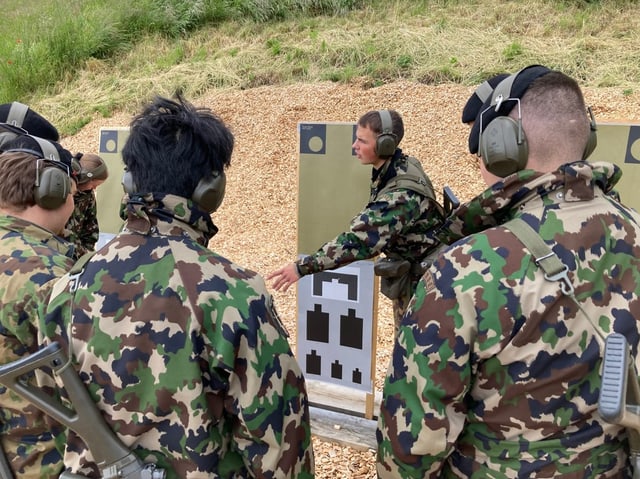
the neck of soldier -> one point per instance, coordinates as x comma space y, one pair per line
47, 219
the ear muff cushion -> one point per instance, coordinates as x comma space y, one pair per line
209, 192
386, 141
128, 184
499, 147
52, 189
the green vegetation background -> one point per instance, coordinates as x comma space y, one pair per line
72, 58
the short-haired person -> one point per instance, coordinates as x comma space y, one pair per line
83, 229
36, 200
496, 368
399, 219
181, 349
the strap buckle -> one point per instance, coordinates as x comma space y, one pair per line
563, 278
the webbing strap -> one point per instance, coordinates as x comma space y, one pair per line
554, 269
545, 258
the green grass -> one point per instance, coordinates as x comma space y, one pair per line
72, 59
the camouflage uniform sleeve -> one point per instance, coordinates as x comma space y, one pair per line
369, 232
266, 390
27, 434
82, 228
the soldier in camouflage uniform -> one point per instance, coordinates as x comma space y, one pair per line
181, 349
398, 221
82, 229
496, 371
32, 258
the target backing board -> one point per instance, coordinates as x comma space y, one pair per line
336, 309
333, 186
109, 194
619, 143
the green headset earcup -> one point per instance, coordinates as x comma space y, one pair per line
386, 141
52, 188
209, 191
503, 146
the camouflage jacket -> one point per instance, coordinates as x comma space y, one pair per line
184, 352
495, 373
82, 229
399, 223
31, 259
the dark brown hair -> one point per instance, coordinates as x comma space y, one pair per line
18, 173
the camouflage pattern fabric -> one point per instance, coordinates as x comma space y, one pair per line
495, 373
82, 229
184, 352
398, 223
31, 260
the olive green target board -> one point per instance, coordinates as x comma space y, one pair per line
333, 185
619, 143
109, 194
336, 309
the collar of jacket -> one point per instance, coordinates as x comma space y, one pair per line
381, 176
497, 203
37, 234
167, 214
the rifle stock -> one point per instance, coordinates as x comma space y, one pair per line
112, 457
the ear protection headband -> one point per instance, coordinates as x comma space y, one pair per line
87, 175
17, 113
208, 194
97, 172
52, 184
386, 141
9, 132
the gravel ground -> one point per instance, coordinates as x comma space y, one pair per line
257, 220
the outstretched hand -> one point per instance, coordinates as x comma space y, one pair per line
284, 277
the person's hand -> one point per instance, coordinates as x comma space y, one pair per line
284, 277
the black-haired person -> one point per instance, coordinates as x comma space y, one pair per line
83, 229
182, 349
399, 220
36, 200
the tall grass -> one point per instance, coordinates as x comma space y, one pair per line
75, 58
45, 41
